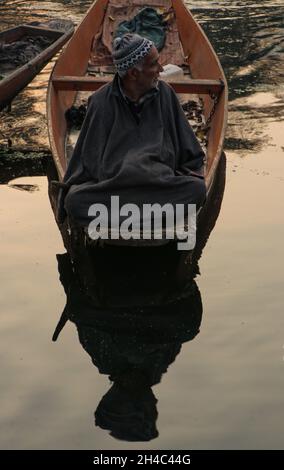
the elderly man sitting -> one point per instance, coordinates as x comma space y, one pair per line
135, 141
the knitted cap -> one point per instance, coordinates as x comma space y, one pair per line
129, 49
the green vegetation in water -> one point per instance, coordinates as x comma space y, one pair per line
15, 164
232, 143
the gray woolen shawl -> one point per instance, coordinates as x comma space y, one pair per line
149, 161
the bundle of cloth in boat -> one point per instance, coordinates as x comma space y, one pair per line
119, 11
20, 52
147, 23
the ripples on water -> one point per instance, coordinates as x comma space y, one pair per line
248, 37
14, 13
249, 41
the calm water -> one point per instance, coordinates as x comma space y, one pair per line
219, 389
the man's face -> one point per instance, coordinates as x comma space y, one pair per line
148, 77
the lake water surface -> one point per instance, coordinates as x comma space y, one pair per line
223, 388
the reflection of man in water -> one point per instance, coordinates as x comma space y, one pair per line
128, 409
134, 347
135, 361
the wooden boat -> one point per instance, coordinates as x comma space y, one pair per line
73, 75
13, 77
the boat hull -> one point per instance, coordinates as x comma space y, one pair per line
207, 81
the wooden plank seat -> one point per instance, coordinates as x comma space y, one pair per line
201, 87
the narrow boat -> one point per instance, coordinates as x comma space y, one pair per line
85, 65
24, 51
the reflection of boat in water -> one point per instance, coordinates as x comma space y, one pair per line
186, 45
133, 323
25, 50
